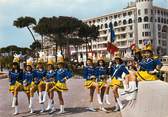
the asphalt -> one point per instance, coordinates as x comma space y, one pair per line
76, 102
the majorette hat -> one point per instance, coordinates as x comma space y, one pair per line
51, 60
29, 62
148, 47
16, 58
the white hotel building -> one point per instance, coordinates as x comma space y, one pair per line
139, 21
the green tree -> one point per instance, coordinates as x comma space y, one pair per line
23, 22
88, 33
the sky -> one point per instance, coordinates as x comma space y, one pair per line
10, 10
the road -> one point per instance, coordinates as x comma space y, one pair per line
76, 102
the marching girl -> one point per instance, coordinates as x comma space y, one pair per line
50, 83
117, 78
62, 75
102, 77
89, 74
148, 66
15, 78
40, 74
28, 84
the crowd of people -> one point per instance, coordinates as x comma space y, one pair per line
99, 78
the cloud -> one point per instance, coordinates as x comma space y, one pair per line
82, 9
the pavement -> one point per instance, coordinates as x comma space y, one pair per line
76, 102
151, 101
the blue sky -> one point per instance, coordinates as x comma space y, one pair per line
82, 9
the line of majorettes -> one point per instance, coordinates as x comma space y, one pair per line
45, 82
144, 67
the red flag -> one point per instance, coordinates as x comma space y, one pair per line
111, 48
133, 46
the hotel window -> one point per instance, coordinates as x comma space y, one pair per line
146, 11
146, 19
131, 35
151, 20
124, 22
131, 28
124, 14
140, 41
164, 43
139, 19
115, 23
146, 26
165, 21
106, 26
151, 12
158, 12
139, 11
130, 13
158, 19
159, 35
162, 20
115, 16
159, 27
130, 21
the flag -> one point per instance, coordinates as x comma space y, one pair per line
133, 46
112, 33
111, 48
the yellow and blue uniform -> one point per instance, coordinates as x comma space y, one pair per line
15, 79
28, 78
101, 75
62, 75
50, 79
88, 73
119, 70
146, 66
39, 75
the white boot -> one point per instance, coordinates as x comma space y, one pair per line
119, 103
125, 85
40, 97
117, 108
49, 104
99, 99
31, 110
107, 99
31, 102
16, 110
102, 108
132, 87
14, 101
61, 109
91, 107
44, 96
42, 108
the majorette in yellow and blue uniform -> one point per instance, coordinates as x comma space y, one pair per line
89, 74
50, 78
39, 74
62, 75
148, 67
15, 76
28, 77
101, 75
120, 71
15, 79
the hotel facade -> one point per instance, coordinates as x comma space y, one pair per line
140, 22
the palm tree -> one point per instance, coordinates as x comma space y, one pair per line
23, 22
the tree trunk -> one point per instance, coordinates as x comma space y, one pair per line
42, 42
31, 33
86, 48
